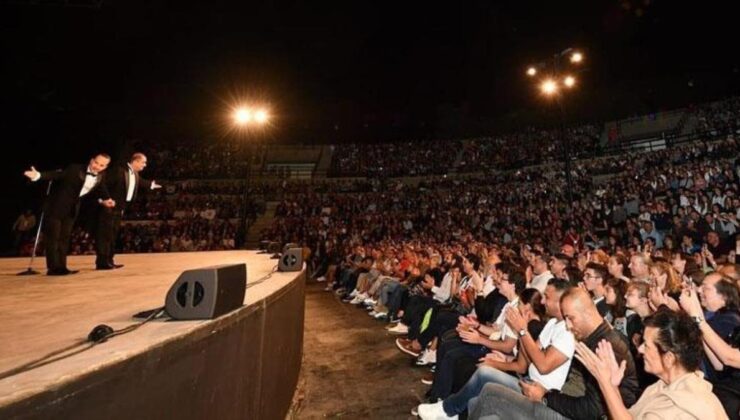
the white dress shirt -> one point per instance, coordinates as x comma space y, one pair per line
90, 181
131, 184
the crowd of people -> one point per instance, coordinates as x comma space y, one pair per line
719, 117
395, 159
188, 215
654, 332
219, 160
662, 197
636, 278
192, 234
526, 147
515, 150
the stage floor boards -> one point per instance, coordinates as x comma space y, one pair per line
40, 314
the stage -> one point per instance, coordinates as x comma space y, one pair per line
241, 365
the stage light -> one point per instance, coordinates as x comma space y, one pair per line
549, 87
576, 57
531, 71
242, 116
261, 116
569, 81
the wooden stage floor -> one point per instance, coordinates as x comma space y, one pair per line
40, 314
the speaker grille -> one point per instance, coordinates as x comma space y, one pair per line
182, 295
199, 293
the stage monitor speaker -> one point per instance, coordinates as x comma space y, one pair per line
206, 293
291, 260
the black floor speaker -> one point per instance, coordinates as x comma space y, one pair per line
291, 260
206, 293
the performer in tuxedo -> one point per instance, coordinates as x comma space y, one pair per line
123, 184
63, 204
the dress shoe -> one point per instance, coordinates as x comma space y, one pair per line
68, 272
104, 267
117, 265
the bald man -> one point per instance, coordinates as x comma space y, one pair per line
535, 402
123, 183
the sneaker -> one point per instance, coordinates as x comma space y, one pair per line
433, 368
433, 412
428, 357
328, 288
353, 294
394, 320
380, 315
356, 301
340, 291
399, 329
427, 379
369, 301
406, 348
320, 279
415, 411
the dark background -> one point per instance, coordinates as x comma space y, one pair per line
77, 79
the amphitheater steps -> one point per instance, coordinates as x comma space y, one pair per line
458, 159
324, 163
263, 221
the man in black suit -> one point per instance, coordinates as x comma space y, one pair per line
123, 183
63, 204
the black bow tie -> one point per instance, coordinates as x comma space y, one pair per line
92, 174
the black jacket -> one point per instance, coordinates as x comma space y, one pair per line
591, 405
117, 181
64, 199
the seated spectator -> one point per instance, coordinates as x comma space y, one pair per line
534, 401
546, 359
594, 281
672, 352
719, 297
616, 289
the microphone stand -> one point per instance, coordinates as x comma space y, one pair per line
30, 271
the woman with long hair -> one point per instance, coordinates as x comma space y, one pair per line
665, 285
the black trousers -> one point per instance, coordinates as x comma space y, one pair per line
106, 232
57, 233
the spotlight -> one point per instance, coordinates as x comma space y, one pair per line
531, 71
576, 57
242, 116
549, 87
569, 81
261, 116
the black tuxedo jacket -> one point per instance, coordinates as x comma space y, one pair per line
117, 181
64, 198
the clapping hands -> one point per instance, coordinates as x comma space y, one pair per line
602, 364
32, 173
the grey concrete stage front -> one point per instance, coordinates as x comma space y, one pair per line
244, 364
